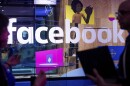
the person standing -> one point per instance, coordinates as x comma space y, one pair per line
6, 77
123, 17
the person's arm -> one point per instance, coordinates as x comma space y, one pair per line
40, 79
73, 19
7, 65
88, 11
12, 61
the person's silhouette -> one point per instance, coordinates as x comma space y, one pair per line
6, 77
123, 16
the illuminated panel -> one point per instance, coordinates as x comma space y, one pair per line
49, 59
45, 2
43, 11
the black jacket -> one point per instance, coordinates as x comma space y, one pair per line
125, 81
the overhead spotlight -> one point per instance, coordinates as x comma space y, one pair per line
2, 10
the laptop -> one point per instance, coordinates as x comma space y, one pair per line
100, 59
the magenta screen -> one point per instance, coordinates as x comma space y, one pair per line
49, 59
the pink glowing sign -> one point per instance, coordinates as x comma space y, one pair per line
49, 59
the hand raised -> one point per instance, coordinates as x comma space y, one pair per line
14, 60
41, 79
88, 10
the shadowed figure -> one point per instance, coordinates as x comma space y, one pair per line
123, 17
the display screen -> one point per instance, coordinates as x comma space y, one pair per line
44, 11
49, 59
43, 2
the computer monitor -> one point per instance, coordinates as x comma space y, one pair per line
49, 59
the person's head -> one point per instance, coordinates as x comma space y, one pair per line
76, 6
3, 30
124, 15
